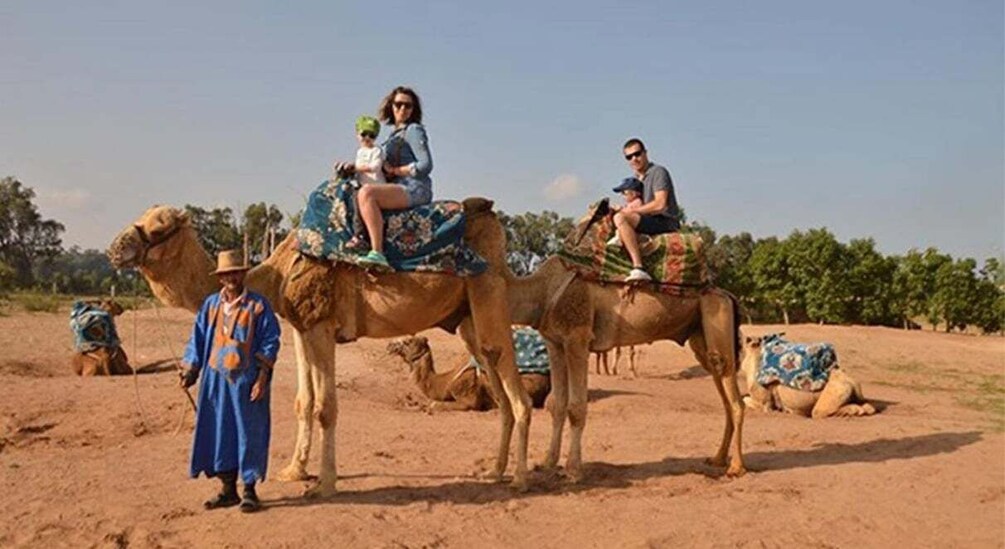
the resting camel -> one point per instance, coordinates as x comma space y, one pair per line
841, 396
102, 361
329, 304
463, 387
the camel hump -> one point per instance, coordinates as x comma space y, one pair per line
477, 204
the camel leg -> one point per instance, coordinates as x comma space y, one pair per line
617, 359
558, 402
631, 361
577, 358
470, 337
506, 416
490, 314
719, 327
319, 343
304, 408
700, 350
837, 397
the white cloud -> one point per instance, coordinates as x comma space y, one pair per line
64, 199
564, 187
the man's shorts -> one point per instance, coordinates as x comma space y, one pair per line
656, 224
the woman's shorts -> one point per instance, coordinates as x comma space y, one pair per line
656, 224
419, 192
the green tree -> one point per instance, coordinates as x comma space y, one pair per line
216, 228
955, 297
531, 238
775, 285
870, 277
818, 264
263, 226
25, 238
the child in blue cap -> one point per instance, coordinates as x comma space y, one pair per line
631, 189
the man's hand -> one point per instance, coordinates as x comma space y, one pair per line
261, 385
188, 377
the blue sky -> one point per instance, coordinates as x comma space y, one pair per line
880, 119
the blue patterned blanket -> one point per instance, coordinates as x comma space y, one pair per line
531, 352
798, 365
92, 327
426, 238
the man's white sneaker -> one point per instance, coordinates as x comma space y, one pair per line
614, 241
638, 275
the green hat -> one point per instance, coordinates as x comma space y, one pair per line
368, 124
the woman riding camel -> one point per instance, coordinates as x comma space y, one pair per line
407, 163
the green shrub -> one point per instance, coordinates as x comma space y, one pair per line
44, 303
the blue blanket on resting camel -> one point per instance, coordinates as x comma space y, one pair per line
798, 365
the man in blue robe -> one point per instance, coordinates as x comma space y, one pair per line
234, 344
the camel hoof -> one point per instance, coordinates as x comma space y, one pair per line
520, 485
736, 471
716, 461
292, 474
574, 476
320, 491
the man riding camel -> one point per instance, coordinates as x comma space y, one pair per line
658, 213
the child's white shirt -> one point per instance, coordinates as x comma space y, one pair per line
373, 158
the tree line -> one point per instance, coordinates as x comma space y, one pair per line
808, 276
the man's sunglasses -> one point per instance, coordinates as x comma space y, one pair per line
403, 104
634, 155
367, 134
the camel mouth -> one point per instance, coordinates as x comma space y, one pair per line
123, 252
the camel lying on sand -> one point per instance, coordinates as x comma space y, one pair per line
328, 304
841, 396
463, 387
102, 361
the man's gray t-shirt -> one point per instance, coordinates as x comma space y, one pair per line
657, 178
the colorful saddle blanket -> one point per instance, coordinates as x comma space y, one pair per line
93, 327
531, 352
798, 365
672, 259
424, 239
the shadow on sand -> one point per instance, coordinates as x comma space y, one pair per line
608, 475
157, 367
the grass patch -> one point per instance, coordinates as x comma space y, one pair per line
994, 406
37, 303
917, 387
907, 367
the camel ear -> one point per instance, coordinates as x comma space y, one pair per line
184, 218
422, 340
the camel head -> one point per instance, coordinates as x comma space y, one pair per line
410, 349
164, 247
146, 237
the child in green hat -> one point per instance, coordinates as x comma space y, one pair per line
369, 157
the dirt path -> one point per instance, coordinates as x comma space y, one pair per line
928, 471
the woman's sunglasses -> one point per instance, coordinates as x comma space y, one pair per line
634, 155
402, 104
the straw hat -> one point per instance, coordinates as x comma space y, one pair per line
229, 261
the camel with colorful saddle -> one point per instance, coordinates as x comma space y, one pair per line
580, 303
798, 378
329, 302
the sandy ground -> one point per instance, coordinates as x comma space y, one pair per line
80, 466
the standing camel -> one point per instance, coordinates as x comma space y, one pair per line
328, 304
577, 317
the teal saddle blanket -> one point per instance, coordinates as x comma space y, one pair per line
531, 352
798, 365
92, 328
426, 238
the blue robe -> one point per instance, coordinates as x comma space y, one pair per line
231, 432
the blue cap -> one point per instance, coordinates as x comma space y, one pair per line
629, 184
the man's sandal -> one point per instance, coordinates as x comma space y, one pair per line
222, 500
